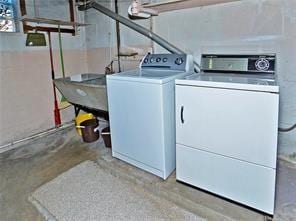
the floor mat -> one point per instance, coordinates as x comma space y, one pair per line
87, 192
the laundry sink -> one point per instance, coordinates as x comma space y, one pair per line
88, 90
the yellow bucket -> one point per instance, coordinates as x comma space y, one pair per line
81, 118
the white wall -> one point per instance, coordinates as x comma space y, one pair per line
248, 26
26, 94
101, 38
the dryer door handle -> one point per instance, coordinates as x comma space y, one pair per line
182, 114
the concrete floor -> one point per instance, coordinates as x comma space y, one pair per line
32, 164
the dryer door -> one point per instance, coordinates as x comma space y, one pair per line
235, 123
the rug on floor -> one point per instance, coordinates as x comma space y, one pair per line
87, 192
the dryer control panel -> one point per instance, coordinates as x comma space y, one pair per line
178, 62
251, 64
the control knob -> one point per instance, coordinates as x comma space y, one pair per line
179, 61
262, 64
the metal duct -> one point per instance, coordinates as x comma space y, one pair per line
146, 32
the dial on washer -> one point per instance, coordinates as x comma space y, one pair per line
179, 61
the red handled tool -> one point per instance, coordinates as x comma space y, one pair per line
57, 116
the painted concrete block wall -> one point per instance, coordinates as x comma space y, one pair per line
29, 110
101, 39
26, 94
249, 26
53, 9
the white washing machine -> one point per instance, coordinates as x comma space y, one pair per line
141, 107
227, 126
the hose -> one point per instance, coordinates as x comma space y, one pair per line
287, 129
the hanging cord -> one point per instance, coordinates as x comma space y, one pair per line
287, 129
57, 116
36, 12
64, 103
61, 52
117, 27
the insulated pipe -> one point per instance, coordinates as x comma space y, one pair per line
146, 32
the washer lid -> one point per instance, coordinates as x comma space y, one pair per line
264, 82
147, 75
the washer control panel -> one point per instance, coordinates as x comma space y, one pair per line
254, 64
181, 62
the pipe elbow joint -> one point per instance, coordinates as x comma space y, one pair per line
86, 6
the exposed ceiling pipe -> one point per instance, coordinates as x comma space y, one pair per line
136, 11
146, 32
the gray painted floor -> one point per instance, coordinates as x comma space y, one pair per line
35, 163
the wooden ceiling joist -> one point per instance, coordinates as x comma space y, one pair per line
52, 22
183, 4
48, 29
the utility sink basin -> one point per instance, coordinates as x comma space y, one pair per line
88, 90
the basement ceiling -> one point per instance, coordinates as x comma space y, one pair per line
163, 6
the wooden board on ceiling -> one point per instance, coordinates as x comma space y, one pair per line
183, 4
52, 21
